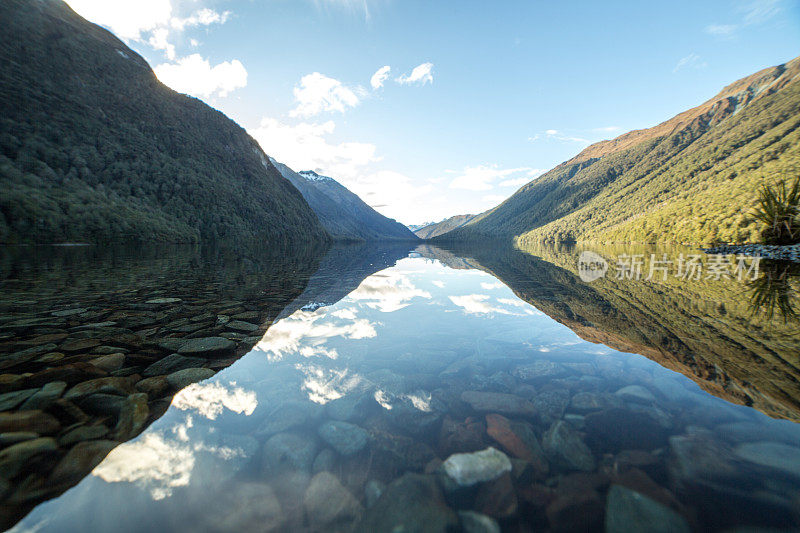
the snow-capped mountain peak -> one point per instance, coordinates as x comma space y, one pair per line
313, 176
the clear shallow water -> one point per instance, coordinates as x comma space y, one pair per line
347, 411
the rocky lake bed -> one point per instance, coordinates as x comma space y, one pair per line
168, 403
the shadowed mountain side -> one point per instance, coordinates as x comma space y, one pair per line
690, 179
704, 330
343, 269
434, 230
94, 344
93, 148
343, 214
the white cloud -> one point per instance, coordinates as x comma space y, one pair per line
387, 292
203, 17
483, 177
476, 304
557, 135
488, 286
752, 13
379, 77
305, 146
759, 11
153, 462
318, 93
516, 182
133, 20
194, 75
438, 283
691, 61
392, 193
210, 399
421, 75
305, 333
126, 18
493, 199
721, 29
159, 41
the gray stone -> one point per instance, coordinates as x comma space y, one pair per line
13, 437
241, 326
10, 400
628, 511
771, 455
411, 504
172, 363
109, 362
472, 522
14, 458
46, 396
496, 402
327, 502
468, 469
539, 370
207, 347
69, 312
288, 451
82, 433
564, 446
325, 461
635, 393
247, 506
34, 421
187, 376
111, 385
585, 402
344, 437
162, 301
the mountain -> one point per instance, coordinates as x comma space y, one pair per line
439, 228
341, 212
415, 227
94, 148
691, 179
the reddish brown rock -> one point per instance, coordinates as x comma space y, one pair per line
497, 498
581, 511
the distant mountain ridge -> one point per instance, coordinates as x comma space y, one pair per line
435, 229
93, 148
690, 179
342, 213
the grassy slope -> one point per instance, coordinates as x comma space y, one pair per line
93, 148
343, 214
690, 179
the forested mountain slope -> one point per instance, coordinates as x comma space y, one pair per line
343, 214
94, 148
691, 179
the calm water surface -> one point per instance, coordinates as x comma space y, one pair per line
395, 389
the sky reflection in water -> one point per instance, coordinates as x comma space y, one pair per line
402, 346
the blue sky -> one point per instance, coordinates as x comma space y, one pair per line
479, 97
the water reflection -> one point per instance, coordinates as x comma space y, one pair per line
433, 395
94, 343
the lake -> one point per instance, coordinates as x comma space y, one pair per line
371, 388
